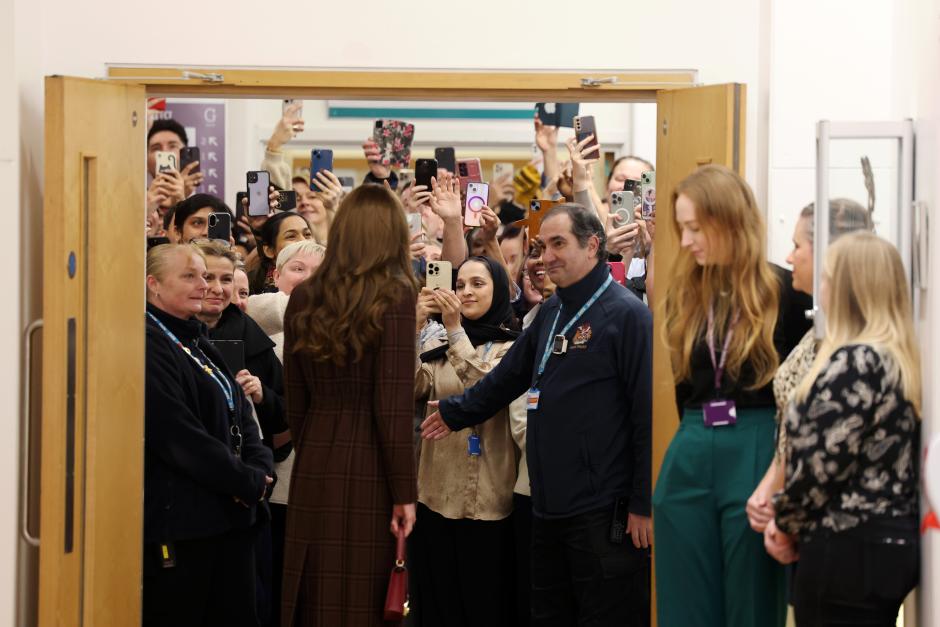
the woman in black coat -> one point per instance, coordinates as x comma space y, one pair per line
205, 468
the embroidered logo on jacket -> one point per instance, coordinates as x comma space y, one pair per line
581, 336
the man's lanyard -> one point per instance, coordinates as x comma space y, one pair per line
719, 367
571, 323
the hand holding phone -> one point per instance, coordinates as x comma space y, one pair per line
621, 205
477, 195
320, 159
440, 275
585, 128
648, 195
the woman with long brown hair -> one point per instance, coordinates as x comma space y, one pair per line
349, 354
730, 317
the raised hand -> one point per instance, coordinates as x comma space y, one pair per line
445, 200
373, 155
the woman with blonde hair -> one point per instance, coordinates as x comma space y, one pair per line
848, 510
349, 355
730, 317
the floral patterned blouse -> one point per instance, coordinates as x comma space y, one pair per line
853, 446
787, 378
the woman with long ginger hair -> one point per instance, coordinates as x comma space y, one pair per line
730, 317
349, 355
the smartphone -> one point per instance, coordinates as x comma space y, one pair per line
619, 271
440, 275
290, 101
239, 207
648, 194
233, 354
537, 209
347, 183
558, 113
503, 169
220, 226
469, 171
618, 522
414, 223
477, 194
583, 127
258, 183
424, 170
394, 139
320, 159
622, 205
287, 200
446, 158
166, 162
189, 154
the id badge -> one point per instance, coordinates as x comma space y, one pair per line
532, 399
474, 448
720, 413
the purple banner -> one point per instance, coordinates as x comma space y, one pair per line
205, 126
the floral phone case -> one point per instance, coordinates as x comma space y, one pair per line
394, 139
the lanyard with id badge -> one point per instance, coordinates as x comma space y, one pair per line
558, 344
474, 443
719, 412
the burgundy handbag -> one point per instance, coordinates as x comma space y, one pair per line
396, 601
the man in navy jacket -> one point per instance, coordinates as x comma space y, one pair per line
585, 365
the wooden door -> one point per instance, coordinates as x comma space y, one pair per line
91, 504
695, 127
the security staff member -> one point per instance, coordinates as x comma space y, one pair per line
586, 362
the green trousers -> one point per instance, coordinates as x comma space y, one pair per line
711, 567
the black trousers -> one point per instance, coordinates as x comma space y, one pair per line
212, 583
579, 577
522, 531
461, 571
855, 578
278, 529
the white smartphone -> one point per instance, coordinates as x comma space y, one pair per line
288, 102
621, 205
258, 183
440, 275
477, 194
166, 162
502, 169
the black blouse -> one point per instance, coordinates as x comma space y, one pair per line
853, 449
792, 325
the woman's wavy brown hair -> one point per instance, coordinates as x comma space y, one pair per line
742, 279
366, 269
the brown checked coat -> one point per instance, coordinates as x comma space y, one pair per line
352, 430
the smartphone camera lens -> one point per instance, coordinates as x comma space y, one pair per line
252, 177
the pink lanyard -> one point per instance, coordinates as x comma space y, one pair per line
710, 340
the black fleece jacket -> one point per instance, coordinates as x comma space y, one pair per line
589, 442
191, 472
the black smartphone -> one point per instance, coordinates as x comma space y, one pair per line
558, 113
287, 199
258, 184
239, 206
156, 241
233, 354
446, 158
188, 155
347, 182
220, 226
320, 159
424, 170
618, 523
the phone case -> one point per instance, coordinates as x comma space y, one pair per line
394, 139
440, 275
287, 200
188, 155
220, 226
502, 169
239, 208
477, 194
537, 210
258, 184
584, 126
166, 161
320, 159
469, 171
648, 195
621, 204
414, 223
446, 158
547, 113
424, 170
289, 102
233, 354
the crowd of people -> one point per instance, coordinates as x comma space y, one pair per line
330, 382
